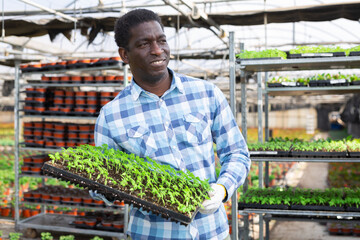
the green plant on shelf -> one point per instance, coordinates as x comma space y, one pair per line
352, 198
283, 80
353, 145
274, 144
14, 236
340, 76
335, 146
304, 81
268, 53
316, 49
67, 237
97, 238
352, 49
333, 197
354, 78
321, 77
46, 236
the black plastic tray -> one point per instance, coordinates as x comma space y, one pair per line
354, 154
269, 153
105, 63
355, 83
357, 53
242, 205
319, 83
317, 208
352, 209
319, 154
238, 60
115, 194
78, 65
316, 55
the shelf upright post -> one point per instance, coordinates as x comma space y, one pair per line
244, 132
266, 129
234, 206
266, 106
126, 218
260, 129
260, 139
17, 133
266, 112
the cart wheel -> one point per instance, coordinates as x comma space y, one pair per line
30, 233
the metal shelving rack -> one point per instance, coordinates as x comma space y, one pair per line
56, 222
268, 65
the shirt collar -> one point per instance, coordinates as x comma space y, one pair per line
136, 90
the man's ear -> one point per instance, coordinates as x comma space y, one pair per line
123, 55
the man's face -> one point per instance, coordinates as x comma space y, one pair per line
148, 52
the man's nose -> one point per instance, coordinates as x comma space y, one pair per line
155, 48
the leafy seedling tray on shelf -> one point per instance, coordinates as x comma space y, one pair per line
111, 193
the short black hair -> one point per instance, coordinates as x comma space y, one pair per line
130, 20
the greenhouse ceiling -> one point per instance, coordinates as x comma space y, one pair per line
45, 30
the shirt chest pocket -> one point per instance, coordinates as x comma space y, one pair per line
140, 141
195, 128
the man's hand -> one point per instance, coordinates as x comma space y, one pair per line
98, 196
217, 195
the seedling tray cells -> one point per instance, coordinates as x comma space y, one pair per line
144, 183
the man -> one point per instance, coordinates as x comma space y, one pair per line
175, 120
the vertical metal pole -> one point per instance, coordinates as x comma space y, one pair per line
267, 226
260, 139
267, 229
266, 106
126, 209
244, 132
260, 129
234, 205
126, 219
17, 133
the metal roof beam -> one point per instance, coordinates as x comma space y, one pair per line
49, 10
197, 13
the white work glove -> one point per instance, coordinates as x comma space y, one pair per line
217, 195
98, 196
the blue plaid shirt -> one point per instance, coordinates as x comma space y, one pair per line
178, 128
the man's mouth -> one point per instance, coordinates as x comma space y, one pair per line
157, 62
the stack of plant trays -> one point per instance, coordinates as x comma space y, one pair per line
66, 80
